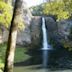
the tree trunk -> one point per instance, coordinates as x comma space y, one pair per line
9, 60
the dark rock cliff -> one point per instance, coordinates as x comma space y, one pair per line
59, 33
36, 32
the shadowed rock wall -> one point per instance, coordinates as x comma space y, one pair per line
31, 35
51, 27
64, 30
59, 33
36, 32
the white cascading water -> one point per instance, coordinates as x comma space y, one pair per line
46, 46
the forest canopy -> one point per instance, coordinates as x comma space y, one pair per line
62, 9
5, 13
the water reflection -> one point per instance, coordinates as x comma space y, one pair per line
45, 58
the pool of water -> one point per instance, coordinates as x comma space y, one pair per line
35, 62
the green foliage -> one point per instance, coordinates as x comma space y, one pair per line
2, 51
20, 54
2, 55
19, 22
37, 10
68, 5
1, 65
56, 8
62, 9
5, 13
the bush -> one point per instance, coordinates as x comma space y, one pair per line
1, 65
2, 55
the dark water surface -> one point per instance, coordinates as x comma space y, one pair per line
52, 64
37, 58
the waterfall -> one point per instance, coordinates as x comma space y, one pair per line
45, 44
46, 47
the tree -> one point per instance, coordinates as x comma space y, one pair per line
17, 14
62, 9
68, 6
5, 13
5, 16
56, 8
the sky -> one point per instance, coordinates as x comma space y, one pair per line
33, 2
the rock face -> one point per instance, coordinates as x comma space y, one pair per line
51, 24
51, 27
24, 36
59, 32
31, 35
64, 30
36, 32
